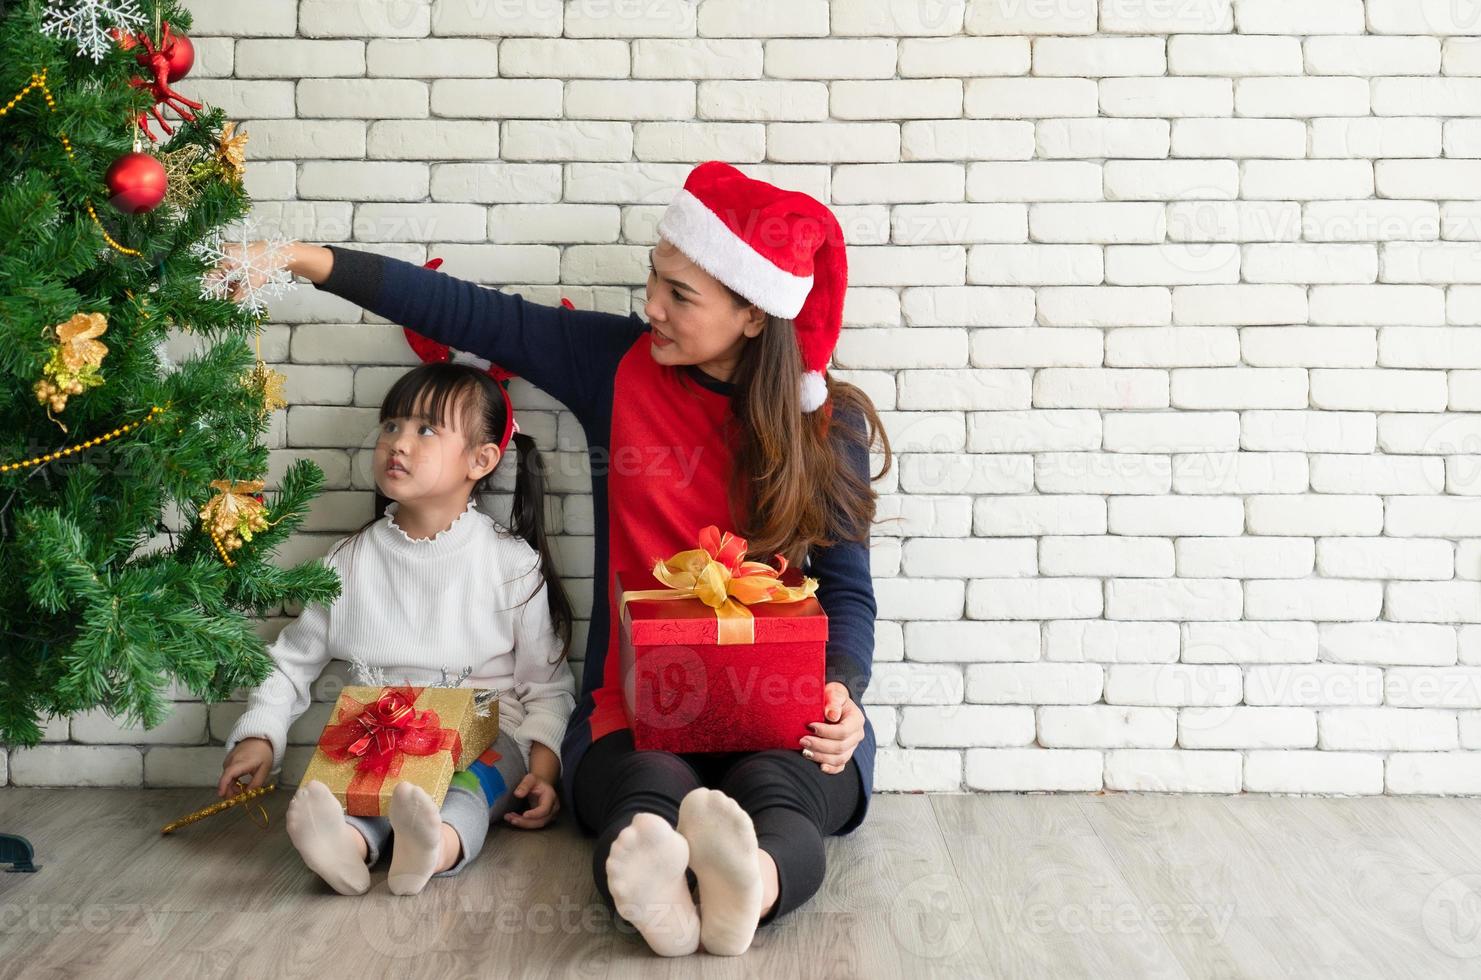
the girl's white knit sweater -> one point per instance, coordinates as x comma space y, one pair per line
414, 607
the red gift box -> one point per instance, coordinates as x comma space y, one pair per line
698, 679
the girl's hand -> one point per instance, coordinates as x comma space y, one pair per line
832, 744
250, 757
547, 803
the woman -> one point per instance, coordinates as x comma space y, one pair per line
715, 411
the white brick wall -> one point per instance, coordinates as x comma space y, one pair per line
1172, 310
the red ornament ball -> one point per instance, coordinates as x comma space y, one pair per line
178, 50
179, 56
136, 183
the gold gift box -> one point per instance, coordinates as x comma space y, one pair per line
458, 709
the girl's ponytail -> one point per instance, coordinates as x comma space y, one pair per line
527, 519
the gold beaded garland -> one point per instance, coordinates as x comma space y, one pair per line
26, 464
38, 80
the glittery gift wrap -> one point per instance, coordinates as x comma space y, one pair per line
686, 691
361, 761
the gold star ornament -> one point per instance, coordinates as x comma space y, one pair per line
268, 385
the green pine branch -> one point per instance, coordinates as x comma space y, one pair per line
111, 595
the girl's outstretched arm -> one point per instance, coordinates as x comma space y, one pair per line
566, 353
846, 590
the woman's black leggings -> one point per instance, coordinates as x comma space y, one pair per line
791, 801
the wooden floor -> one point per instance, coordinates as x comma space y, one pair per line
931, 886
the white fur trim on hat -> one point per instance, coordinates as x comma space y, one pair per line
700, 234
814, 391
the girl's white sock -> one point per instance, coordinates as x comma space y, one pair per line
316, 826
416, 823
645, 873
723, 854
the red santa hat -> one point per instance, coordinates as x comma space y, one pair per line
782, 250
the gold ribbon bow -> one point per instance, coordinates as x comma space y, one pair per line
717, 574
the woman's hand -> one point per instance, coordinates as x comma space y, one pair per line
832, 742
250, 757
313, 262
253, 257
546, 803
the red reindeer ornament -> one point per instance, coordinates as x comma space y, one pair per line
431, 352
169, 62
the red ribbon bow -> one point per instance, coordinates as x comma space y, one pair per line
383, 732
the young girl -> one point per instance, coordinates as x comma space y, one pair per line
718, 410
433, 587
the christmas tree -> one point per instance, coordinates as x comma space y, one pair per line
135, 545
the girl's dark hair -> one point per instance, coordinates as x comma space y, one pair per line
792, 488
432, 391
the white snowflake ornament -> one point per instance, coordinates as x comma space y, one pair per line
88, 22
253, 273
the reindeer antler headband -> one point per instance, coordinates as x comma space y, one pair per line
431, 352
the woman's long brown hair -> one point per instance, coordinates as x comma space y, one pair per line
792, 488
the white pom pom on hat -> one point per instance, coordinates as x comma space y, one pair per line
814, 390
782, 250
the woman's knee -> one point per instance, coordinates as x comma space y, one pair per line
650, 769
766, 768
636, 782
613, 782
773, 782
